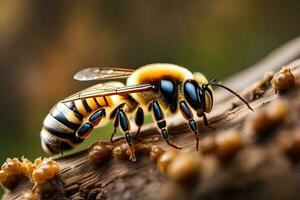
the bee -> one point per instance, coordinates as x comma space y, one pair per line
161, 89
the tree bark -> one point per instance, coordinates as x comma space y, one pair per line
258, 170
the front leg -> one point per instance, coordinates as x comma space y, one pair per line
205, 121
116, 124
159, 117
188, 115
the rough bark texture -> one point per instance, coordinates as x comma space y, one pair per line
260, 170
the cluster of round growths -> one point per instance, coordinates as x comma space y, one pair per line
42, 170
119, 150
178, 166
12, 171
265, 119
46, 169
225, 144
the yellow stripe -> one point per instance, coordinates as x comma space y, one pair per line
92, 104
69, 114
80, 107
102, 102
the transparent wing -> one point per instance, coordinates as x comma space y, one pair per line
107, 90
103, 73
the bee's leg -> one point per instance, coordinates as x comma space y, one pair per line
125, 126
34, 188
61, 150
139, 120
116, 124
159, 117
205, 121
114, 115
188, 115
86, 128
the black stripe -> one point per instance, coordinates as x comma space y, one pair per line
58, 147
106, 102
51, 148
59, 134
86, 106
99, 106
65, 146
62, 119
71, 105
55, 145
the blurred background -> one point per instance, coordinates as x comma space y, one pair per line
42, 45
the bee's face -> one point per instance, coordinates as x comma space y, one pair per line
198, 97
208, 98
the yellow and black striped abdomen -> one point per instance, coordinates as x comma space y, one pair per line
63, 121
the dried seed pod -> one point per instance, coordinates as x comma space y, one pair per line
208, 145
46, 170
29, 166
277, 110
37, 161
283, 80
120, 151
264, 120
155, 153
3, 176
100, 152
228, 143
259, 87
290, 144
165, 159
144, 149
10, 181
12, 172
12, 166
258, 123
184, 168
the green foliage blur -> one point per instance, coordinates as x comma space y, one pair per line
44, 43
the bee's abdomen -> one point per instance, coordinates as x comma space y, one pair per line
63, 121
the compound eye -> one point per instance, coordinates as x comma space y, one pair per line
168, 91
193, 94
208, 100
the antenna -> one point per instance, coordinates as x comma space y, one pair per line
212, 82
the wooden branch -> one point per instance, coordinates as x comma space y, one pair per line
285, 54
258, 170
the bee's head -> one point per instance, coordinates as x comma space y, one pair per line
198, 93
199, 96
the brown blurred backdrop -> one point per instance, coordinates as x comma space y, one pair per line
44, 43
